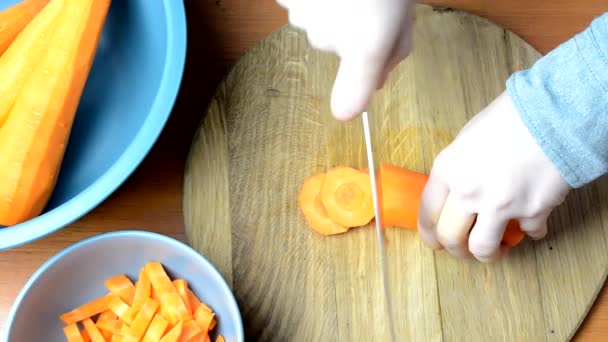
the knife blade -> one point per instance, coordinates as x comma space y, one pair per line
378, 218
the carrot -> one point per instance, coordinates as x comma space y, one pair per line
137, 330
181, 285
314, 212
346, 195
173, 334
203, 318
15, 18
190, 331
87, 310
112, 327
92, 330
85, 335
72, 333
122, 310
18, 61
401, 191
156, 329
220, 339
121, 286
212, 324
142, 290
169, 297
34, 136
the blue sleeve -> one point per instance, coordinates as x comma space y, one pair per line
563, 101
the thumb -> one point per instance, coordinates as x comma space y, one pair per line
355, 83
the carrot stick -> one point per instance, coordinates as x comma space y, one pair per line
137, 330
85, 335
121, 286
107, 315
169, 297
112, 326
122, 310
156, 329
195, 302
181, 285
220, 338
314, 212
173, 334
92, 330
203, 319
142, 290
87, 310
15, 18
212, 324
190, 331
346, 195
72, 333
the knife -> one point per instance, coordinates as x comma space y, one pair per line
378, 218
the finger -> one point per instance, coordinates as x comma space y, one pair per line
433, 197
453, 226
355, 83
485, 237
535, 227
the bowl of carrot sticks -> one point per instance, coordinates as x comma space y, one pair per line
126, 286
86, 88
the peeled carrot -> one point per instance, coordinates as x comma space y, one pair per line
181, 286
72, 333
15, 18
169, 297
89, 309
314, 212
156, 329
142, 290
173, 334
138, 328
190, 331
220, 339
203, 318
121, 286
92, 330
34, 136
111, 327
346, 195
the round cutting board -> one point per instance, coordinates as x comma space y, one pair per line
269, 127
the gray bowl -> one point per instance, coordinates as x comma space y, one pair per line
77, 274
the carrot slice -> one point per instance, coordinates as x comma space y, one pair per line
142, 290
169, 297
212, 324
121, 286
137, 330
207, 339
190, 331
19, 60
312, 207
87, 310
72, 333
107, 315
85, 335
92, 330
122, 310
111, 326
346, 195
157, 328
173, 334
181, 285
220, 338
195, 302
34, 136
15, 18
203, 319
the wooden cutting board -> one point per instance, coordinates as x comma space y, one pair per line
269, 127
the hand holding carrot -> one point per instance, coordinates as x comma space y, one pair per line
492, 172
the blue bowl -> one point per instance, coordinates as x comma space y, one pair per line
127, 100
76, 275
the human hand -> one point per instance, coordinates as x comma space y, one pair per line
370, 36
492, 172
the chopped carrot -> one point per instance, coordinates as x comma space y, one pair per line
212, 324
169, 297
181, 285
122, 310
15, 18
195, 302
346, 195
207, 339
72, 333
312, 207
220, 338
190, 331
142, 290
137, 330
156, 330
107, 315
89, 309
173, 334
85, 335
121, 286
111, 326
92, 331
203, 318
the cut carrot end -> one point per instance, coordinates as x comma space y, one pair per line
346, 195
312, 207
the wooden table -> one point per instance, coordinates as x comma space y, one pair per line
219, 32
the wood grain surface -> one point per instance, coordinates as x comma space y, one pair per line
269, 127
219, 33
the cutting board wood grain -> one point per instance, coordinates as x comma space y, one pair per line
269, 126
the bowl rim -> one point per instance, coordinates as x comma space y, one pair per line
132, 157
216, 275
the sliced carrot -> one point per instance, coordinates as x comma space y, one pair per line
156, 330
190, 331
401, 192
15, 18
173, 334
203, 318
195, 302
138, 328
122, 310
72, 333
207, 338
142, 290
121, 286
346, 195
169, 297
181, 286
111, 326
212, 324
312, 207
87, 310
107, 315
85, 335
35, 134
513, 234
92, 330
220, 338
